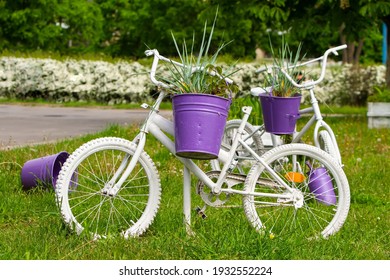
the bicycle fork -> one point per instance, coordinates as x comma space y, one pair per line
113, 186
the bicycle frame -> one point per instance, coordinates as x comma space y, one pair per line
160, 128
320, 123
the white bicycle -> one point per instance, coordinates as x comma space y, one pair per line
323, 135
111, 187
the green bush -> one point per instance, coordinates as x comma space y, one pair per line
381, 94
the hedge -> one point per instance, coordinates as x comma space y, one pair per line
124, 82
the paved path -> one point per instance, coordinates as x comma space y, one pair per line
27, 125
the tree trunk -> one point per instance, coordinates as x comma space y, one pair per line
358, 52
343, 40
351, 51
351, 55
386, 20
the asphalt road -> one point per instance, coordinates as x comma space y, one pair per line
29, 125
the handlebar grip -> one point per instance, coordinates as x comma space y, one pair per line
340, 47
149, 52
335, 49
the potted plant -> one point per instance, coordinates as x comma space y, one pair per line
280, 104
379, 108
201, 98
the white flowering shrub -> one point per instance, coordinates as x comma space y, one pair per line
72, 80
122, 82
352, 85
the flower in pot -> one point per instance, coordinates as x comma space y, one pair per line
200, 73
276, 82
280, 104
201, 97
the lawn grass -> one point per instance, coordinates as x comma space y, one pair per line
31, 226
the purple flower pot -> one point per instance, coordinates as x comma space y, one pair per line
199, 121
320, 184
280, 114
42, 171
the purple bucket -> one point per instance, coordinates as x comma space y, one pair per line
280, 114
199, 121
42, 171
320, 184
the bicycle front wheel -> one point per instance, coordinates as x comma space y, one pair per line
327, 145
82, 183
320, 202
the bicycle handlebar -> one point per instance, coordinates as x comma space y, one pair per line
158, 57
307, 84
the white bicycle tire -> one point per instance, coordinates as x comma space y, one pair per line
66, 189
326, 144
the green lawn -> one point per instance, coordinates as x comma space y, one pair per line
31, 227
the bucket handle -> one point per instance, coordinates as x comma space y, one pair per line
293, 116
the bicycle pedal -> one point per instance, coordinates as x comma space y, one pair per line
200, 212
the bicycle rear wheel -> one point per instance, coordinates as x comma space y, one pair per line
84, 204
321, 198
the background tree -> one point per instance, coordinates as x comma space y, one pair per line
126, 28
379, 10
84, 22
30, 23
50, 24
247, 23
131, 26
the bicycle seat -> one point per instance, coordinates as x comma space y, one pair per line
259, 90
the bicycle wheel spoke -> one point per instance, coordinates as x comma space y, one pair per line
90, 211
90, 172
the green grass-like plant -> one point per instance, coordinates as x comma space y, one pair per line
286, 59
381, 94
200, 72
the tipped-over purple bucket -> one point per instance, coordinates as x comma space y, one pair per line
42, 171
320, 184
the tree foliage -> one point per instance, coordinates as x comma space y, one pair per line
50, 24
128, 27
